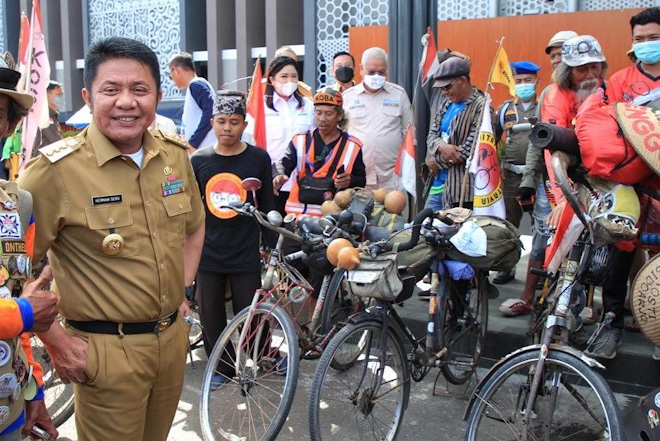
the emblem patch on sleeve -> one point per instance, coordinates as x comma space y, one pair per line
10, 226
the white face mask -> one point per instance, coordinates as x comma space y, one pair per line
374, 82
286, 89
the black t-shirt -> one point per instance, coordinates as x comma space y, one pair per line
231, 243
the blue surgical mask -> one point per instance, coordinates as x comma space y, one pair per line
59, 102
648, 52
526, 91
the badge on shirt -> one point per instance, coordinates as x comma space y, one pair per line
8, 383
389, 102
4, 414
13, 247
5, 293
108, 199
10, 226
5, 353
172, 185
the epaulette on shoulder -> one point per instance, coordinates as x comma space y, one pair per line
58, 150
170, 138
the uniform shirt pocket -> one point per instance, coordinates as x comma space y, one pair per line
357, 112
176, 207
392, 110
114, 218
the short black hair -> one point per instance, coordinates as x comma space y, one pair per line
53, 85
649, 15
342, 53
113, 48
182, 59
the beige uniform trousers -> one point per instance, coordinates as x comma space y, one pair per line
134, 386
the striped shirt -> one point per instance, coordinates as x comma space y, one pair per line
464, 128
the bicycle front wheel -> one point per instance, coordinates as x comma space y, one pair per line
339, 303
249, 383
573, 402
366, 400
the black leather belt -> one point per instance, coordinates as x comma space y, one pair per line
112, 328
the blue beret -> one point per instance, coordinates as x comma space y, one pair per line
524, 67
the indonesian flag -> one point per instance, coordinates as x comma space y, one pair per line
568, 231
405, 167
485, 167
256, 115
429, 59
36, 84
501, 72
23, 42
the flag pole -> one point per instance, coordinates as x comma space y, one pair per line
489, 85
28, 77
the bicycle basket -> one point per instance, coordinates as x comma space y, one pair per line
376, 277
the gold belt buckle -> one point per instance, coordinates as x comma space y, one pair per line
163, 325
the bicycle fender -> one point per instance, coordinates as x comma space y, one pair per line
590, 362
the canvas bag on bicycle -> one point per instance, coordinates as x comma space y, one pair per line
376, 278
313, 189
502, 249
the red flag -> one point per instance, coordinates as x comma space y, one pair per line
405, 166
430, 60
256, 115
36, 84
568, 231
23, 42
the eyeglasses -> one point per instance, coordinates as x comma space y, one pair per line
448, 86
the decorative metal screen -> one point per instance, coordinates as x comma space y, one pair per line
156, 23
3, 42
460, 9
524, 7
333, 18
599, 5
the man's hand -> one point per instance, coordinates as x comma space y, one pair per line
44, 303
553, 218
69, 358
278, 182
343, 180
432, 164
184, 309
450, 153
36, 413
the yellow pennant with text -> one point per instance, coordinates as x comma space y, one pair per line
502, 71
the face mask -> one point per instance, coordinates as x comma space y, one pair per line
59, 102
648, 52
525, 91
286, 89
344, 74
375, 82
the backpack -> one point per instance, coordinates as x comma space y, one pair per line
503, 246
605, 151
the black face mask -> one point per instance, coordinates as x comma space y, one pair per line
344, 74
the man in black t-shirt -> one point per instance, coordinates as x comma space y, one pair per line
230, 257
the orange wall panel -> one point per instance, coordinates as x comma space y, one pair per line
362, 38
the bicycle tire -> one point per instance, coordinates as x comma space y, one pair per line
233, 400
489, 417
339, 305
468, 329
58, 396
325, 403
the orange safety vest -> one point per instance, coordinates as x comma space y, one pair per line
305, 154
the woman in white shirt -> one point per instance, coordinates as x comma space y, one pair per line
287, 113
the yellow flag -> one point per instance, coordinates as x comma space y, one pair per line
502, 71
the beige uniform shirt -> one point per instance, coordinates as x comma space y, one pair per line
84, 189
380, 121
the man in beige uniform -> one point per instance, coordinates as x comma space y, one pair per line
378, 115
121, 217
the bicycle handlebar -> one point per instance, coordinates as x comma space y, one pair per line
248, 209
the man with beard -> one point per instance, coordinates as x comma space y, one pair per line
638, 84
581, 73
